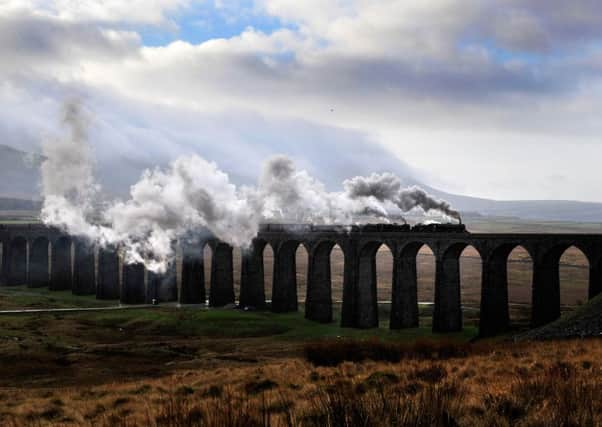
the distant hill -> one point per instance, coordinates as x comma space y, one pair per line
10, 204
19, 174
548, 210
20, 179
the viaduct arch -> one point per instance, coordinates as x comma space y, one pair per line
73, 264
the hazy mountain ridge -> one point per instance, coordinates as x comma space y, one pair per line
549, 210
19, 174
20, 184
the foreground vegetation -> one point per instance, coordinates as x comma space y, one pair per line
423, 384
191, 367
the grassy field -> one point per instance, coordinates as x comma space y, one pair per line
22, 297
55, 349
190, 367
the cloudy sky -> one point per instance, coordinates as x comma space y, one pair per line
492, 98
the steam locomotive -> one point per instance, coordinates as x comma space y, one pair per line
387, 228
371, 228
439, 228
418, 228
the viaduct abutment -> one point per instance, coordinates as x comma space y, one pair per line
40, 256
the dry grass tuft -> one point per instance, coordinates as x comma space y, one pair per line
335, 352
534, 384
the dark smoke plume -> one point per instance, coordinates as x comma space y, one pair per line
387, 187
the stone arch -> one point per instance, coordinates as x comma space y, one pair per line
39, 263
426, 268
366, 300
337, 273
268, 257
471, 280
17, 261
447, 312
516, 271
574, 268
302, 260
546, 284
61, 268
237, 255
207, 254
385, 263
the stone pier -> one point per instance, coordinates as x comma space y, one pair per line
192, 290
318, 304
221, 291
447, 313
133, 290
108, 274
284, 288
84, 269
404, 304
61, 268
252, 285
39, 263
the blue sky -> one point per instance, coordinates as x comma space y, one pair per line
197, 24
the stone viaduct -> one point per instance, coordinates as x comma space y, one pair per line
41, 256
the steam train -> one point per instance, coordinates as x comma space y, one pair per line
418, 228
371, 228
385, 228
440, 228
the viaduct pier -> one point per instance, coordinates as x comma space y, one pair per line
40, 256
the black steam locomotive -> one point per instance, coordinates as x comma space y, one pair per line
439, 228
385, 228
418, 228
370, 228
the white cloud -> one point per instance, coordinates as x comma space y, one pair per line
430, 80
149, 12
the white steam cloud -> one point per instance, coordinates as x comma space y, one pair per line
194, 194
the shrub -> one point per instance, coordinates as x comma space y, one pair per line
334, 352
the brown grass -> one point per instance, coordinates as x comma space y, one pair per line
333, 353
490, 384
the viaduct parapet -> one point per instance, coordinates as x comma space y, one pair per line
40, 256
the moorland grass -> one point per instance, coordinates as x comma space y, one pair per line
23, 297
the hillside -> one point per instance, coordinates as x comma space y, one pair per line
12, 204
586, 321
548, 210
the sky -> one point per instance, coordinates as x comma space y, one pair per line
498, 98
